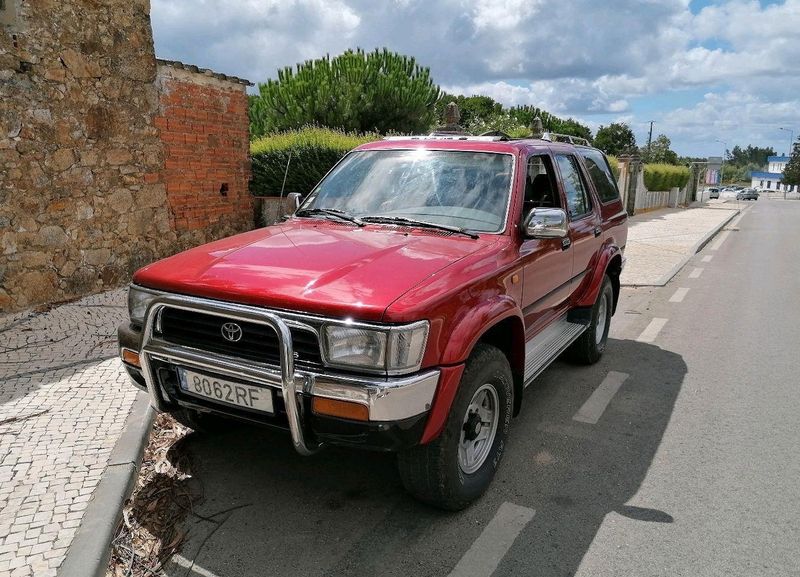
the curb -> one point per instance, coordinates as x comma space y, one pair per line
697, 248
90, 549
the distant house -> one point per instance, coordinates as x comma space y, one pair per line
773, 178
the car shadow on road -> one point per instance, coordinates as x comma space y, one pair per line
345, 512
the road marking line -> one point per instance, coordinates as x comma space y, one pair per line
196, 569
696, 272
595, 406
650, 333
679, 295
493, 543
708, 258
718, 243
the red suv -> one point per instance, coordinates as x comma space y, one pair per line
404, 306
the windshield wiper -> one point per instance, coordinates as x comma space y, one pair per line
332, 212
387, 219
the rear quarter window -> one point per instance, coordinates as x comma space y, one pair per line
600, 173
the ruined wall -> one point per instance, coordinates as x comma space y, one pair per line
78, 98
205, 129
108, 161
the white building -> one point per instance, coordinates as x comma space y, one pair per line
773, 178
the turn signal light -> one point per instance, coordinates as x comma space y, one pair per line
130, 357
341, 409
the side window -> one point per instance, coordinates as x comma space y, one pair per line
578, 203
600, 173
540, 189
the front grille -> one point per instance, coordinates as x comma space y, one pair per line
258, 343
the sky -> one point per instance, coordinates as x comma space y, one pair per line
704, 71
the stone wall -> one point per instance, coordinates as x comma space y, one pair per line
205, 129
90, 190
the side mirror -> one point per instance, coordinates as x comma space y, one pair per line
545, 223
294, 199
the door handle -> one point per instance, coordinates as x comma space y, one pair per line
565, 243
597, 231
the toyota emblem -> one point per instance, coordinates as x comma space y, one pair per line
232, 332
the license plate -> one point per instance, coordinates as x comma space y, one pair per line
226, 392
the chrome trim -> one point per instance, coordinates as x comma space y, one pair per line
307, 322
287, 375
388, 398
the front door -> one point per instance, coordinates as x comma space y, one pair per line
547, 263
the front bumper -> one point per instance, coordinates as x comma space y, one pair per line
397, 406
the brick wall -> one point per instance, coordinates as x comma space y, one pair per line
203, 124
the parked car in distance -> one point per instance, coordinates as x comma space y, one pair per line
713, 193
747, 194
404, 306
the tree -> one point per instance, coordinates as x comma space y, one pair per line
380, 91
748, 156
791, 174
615, 139
473, 108
659, 152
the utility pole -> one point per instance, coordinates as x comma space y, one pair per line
791, 139
724, 152
650, 139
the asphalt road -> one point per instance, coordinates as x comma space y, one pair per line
677, 454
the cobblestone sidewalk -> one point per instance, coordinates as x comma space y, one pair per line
659, 242
64, 399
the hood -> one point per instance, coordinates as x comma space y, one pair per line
312, 265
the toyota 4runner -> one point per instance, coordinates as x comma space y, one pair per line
404, 306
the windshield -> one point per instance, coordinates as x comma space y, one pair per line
468, 190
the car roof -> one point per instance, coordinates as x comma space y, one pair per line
471, 143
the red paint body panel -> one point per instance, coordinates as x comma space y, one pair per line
445, 393
311, 265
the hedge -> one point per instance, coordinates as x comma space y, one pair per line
313, 152
612, 160
665, 176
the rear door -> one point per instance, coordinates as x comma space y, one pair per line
585, 231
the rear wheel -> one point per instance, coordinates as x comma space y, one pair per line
590, 345
456, 468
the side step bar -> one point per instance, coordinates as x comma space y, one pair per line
545, 347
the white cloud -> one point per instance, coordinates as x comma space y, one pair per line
586, 59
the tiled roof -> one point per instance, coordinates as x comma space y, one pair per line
206, 71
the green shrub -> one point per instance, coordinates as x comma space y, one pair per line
665, 176
313, 152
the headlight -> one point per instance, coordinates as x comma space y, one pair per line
395, 350
138, 300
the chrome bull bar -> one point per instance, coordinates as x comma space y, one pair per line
156, 349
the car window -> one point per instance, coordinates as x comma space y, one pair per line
578, 203
540, 189
600, 173
455, 188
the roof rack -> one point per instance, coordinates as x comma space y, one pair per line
556, 137
435, 136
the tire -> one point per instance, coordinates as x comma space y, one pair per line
201, 422
589, 347
440, 473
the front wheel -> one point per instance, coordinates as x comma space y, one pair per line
589, 347
457, 467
